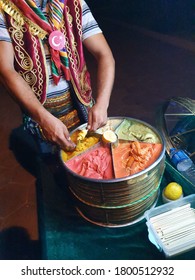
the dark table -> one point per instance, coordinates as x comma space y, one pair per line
65, 235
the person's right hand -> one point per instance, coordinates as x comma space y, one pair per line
56, 132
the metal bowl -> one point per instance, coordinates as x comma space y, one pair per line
120, 201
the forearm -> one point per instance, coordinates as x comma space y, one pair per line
105, 80
99, 48
23, 95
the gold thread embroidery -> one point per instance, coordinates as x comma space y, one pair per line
74, 59
87, 104
71, 119
70, 18
75, 62
84, 85
64, 97
77, 10
17, 35
72, 41
16, 14
24, 60
39, 69
45, 67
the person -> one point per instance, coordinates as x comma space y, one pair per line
43, 67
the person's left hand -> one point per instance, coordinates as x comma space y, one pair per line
97, 117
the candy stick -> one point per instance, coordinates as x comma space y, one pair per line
177, 225
177, 236
178, 232
180, 208
181, 241
171, 215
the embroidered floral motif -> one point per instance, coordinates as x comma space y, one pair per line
72, 29
24, 60
78, 21
15, 13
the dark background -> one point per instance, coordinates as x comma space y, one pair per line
166, 16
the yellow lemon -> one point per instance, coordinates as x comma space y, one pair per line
173, 191
109, 136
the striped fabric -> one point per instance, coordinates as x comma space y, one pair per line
59, 59
56, 8
33, 5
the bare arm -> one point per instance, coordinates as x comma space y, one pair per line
54, 130
99, 48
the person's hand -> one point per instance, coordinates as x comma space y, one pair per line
97, 117
55, 131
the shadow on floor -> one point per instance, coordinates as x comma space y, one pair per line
24, 149
16, 245
26, 152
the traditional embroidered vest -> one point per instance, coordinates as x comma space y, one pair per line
29, 53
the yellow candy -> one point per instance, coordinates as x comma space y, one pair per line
82, 135
173, 191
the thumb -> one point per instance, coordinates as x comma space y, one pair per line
89, 125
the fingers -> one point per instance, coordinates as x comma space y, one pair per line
64, 140
67, 144
93, 123
96, 119
90, 119
59, 136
